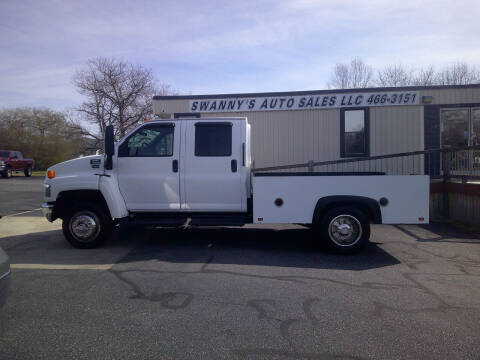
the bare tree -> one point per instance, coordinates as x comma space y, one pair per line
459, 73
117, 93
40, 133
424, 76
395, 75
356, 74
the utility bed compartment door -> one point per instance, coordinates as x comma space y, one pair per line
292, 199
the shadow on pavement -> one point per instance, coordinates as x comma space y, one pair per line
250, 246
51, 248
439, 232
241, 246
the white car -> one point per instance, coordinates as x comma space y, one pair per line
198, 172
4, 277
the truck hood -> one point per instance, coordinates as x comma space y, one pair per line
84, 165
4, 263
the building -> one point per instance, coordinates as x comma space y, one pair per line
297, 127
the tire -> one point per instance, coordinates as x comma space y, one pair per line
28, 171
345, 229
7, 174
87, 226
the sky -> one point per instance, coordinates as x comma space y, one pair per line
205, 47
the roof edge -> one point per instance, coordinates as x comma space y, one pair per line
313, 92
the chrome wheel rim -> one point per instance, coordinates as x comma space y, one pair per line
345, 230
85, 226
9, 173
29, 171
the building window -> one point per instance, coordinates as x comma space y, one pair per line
213, 139
354, 132
156, 140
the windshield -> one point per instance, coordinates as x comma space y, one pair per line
4, 154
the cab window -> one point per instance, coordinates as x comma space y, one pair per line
213, 139
149, 141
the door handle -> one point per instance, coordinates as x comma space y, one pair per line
233, 164
243, 154
175, 166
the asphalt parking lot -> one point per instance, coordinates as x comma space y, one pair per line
229, 293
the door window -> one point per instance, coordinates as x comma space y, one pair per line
476, 137
475, 127
213, 139
147, 141
454, 127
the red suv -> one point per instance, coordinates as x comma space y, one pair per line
13, 161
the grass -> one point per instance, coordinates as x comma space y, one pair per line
38, 173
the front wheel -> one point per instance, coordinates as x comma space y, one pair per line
28, 171
86, 227
345, 229
7, 173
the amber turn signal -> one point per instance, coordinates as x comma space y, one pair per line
51, 174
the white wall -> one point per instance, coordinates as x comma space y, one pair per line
297, 136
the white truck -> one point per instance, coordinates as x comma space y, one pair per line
198, 172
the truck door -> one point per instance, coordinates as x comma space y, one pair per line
211, 173
147, 168
15, 162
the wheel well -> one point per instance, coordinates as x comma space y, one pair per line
366, 205
67, 200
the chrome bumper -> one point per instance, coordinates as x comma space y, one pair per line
47, 210
4, 286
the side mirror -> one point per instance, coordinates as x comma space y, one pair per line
109, 146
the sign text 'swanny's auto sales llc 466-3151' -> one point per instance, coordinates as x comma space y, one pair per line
271, 103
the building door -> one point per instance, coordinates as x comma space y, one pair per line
460, 128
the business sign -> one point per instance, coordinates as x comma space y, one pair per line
307, 102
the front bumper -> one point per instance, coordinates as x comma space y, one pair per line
47, 210
4, 286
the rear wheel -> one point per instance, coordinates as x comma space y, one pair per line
28, 171
345, 229
87, 226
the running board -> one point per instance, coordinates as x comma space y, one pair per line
194, 219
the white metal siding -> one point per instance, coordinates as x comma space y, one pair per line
290, 137
453, 96
170, 106
297, 136
396, 130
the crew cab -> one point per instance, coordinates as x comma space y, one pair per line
13, 161
199, 172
